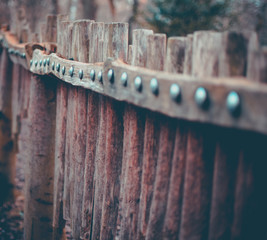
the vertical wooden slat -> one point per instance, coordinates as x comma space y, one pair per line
200, 148
39, 182
116, 41
188, 55
232, 62
79, 149
68, 152
89, 170
133, 149
176, 63
156, 50
97, 35
118, 33
60, 138
99, 176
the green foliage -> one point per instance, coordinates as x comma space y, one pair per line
180, 17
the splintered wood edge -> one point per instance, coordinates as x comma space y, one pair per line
253, 95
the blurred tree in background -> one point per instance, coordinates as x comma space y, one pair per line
180, 17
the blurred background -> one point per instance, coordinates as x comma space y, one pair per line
173, 17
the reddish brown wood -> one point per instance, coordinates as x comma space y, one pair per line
132, 155
39, 183
79, 145
68, 152
114, 147
174, 204
198, 183
88, 193
99, 176
161, 185
60, 140
156, 47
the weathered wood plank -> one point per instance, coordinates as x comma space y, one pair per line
39, 183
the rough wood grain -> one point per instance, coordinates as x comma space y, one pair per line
39, 182
161, 185
156, 46
79, 150
60, 140
175, 59
68, 152
114, 147
88, 192
132, 155
116, 41
188, 55
231, 62
99, 176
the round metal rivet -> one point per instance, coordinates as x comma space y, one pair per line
138, 84
71, 71
58, 67
53, 66
175, 92
40, 62
31, 62
233, 103
35, 63
48, 61
63, 70
92, 74
202, 98
80, 73
124, 79
111, 75
99, 76
10, 50
44, 62
154, 86
23, 55
17, 53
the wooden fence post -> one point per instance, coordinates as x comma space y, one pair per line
40, 176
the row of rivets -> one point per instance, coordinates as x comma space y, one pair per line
16, 52
233, 102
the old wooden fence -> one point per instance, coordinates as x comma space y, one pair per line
161, 139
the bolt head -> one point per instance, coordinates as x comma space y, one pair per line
138, 84
175, 92
63, 70
35, 63
10, 50
44, 62
71, 71
58, 67
80, 73
40, 62
154, 86
23, 55
124, 79
202, 98
48, 61
111, 75
233, 103
99, 76
17, 53
53, 66
92, 74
